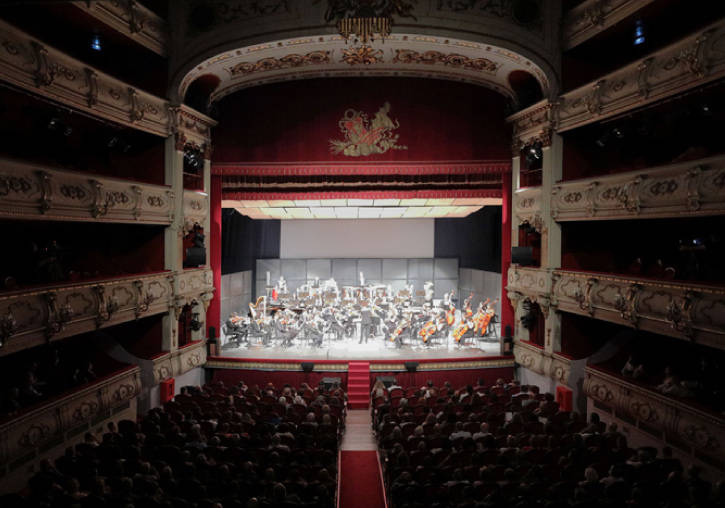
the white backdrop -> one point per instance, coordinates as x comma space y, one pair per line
357, 238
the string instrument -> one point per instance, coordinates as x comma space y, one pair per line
253, 306
484, 316
428, 330
467, 306
451, 315
460, 331
399, 329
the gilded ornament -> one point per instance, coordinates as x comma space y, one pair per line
364, 137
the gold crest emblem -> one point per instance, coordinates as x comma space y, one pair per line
364, 137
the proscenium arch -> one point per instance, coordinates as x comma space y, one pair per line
406, 55
303, 41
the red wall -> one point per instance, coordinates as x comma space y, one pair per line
294, 121
458, 378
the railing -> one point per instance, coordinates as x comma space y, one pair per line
132, 20
39, 69
591, 17
196, 208
32, 317
188, 357
32, 191
685, 189
536, 359
527, 207
37, 430
683, 310
686, 64
679, 424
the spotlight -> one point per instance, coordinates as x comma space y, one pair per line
96, 43
618, 133
638, 33
54, 124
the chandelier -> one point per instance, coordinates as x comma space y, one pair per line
364, 29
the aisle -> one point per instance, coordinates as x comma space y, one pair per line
360, 482
358, 385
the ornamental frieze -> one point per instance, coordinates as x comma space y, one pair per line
188, 358
408, 56
33, 317
681, 310
30, 191
284, 62
691, 188
31, 432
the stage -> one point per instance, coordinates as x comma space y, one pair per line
374, 349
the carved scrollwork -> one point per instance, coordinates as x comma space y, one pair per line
84, 411
8, 327
123, 392
701, 437
679, 313
644, 411
58, 316
107, 306
584, 297
601, 392
36, 433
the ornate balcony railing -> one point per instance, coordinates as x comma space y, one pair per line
682, 310
196, 208
536, 359
684, 65
527, 207
591, 17
29, 64
32, 191
132, 20
188, 357
691, 429
690, 188
32, 433
32, 317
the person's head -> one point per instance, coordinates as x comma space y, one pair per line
484, 428
279, 492
418, 431
591, 475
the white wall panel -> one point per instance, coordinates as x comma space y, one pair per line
389, 238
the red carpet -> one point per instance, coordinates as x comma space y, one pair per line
360, 484
358, 385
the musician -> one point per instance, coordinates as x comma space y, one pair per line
367, 325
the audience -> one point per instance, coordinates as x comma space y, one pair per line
214, 446
509, 446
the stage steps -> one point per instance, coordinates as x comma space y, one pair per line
358, 385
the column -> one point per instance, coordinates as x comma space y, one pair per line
173, 258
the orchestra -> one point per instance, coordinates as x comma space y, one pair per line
320, 313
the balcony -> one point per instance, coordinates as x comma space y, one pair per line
196, 208
35, 316
36, 192
686, 189
686, 427
536, 359
688, 311
132, 20
35, 432
691, 62
594, 16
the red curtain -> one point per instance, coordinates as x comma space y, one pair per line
213, 315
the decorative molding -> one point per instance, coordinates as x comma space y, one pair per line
162, 368
192, 128
685, 189
47, 314
682, 310
532, 283
542, 362
690, 62
530, 125
682, 425
454, 60
290, 60
196, 209
192, 285
591, 17
527, 207
31, 432
36, 192
363, 55
131, 19
187, 358
241, 364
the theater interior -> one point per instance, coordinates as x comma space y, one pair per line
362, 253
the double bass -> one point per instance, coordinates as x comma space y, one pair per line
484, 315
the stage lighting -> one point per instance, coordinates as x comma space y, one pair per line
96, 43
638, 33
618, 133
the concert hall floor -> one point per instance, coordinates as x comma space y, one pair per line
349, 349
